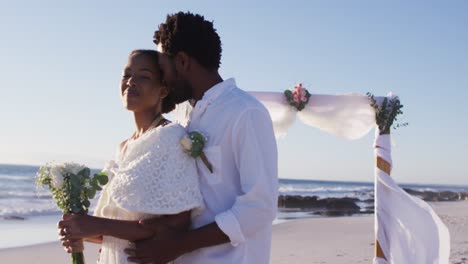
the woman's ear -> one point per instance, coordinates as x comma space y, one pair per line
164, 92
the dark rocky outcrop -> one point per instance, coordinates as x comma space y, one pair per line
12, 217
326, 206
352, 206
432, 196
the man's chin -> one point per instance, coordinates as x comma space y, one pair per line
181, 99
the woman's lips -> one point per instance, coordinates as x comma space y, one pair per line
132, 92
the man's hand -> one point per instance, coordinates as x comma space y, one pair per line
156, 251
165, 247
170, 243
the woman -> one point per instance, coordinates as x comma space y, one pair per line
151, 176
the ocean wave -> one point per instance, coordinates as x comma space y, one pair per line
360, 192
24, 195
25, 213
28, 207
313, 190
6, 177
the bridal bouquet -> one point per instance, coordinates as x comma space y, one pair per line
72, 186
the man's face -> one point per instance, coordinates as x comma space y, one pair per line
179, 87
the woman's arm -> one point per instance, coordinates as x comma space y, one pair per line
85, 226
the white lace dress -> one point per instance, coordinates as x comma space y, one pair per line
153, 177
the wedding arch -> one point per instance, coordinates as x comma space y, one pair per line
406, 228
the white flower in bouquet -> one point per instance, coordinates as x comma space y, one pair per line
56, 173
74, 168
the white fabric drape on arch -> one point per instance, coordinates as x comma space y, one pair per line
347, 116
407, 228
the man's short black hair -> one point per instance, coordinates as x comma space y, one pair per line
192, 34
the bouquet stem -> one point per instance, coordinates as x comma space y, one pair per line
78, 258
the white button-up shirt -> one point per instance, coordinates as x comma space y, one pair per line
241, 194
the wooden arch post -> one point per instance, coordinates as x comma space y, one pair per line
385, 167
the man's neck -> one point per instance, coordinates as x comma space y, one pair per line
201, 85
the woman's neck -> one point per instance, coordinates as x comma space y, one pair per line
143, 121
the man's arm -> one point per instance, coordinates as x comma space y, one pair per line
163, 249
206, 236
75, 227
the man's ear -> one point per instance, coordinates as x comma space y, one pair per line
182, 61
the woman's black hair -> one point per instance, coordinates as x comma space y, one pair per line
168, 103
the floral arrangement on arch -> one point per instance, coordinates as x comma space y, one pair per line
298, 97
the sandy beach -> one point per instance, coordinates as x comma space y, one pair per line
332, 240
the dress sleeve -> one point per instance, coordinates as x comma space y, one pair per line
161, 179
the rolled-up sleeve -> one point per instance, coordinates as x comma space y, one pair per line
256, 158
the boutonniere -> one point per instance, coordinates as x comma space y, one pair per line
193, 144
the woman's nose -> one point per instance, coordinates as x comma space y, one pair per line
131, 81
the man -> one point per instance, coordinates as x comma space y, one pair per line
241, 191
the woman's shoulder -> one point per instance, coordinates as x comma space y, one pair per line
172, 130
163, 136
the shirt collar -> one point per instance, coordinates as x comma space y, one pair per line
217, 90
209, 97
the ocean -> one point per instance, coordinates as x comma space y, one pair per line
19, 196
28, 215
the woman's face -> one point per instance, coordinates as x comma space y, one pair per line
140, 87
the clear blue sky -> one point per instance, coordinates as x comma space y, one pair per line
61, 64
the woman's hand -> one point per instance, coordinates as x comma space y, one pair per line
73, 246
74, 227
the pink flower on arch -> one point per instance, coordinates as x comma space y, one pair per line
298, 97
